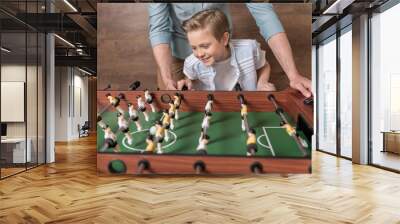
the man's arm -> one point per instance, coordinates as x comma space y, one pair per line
281, 48
162, 54
160, 38
272, 31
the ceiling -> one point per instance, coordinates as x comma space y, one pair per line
76, 22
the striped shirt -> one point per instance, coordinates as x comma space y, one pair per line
246, 58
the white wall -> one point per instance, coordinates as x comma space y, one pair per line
33, 127
13, 73
71, 93
61, 103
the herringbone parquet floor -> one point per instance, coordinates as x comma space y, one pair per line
69, 191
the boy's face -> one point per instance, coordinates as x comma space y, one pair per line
206, 47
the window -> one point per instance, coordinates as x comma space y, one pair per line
346, 92
385, 86
327, 95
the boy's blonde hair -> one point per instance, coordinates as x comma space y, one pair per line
213, 19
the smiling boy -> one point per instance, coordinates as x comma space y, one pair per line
218, 63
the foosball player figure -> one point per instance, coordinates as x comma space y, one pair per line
206, 121
115, 102
209, 104
133, 116
100, 122
177, 103
251, 142
110, 139
159, 136
166, 119
243, 113
171, 112
151, 146
123, 125
149, 100
290, 130
142, 107
202, 147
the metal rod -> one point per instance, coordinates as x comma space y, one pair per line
198, 169
257, 170
140, 168
143, 165
280, 111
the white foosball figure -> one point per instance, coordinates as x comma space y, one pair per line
166, 124
202, 147
243, 113
205, 124
160, 130
115, 102
123, 125
171, 112
133, 116
110, 139
149, 100
142, 107
177, 103
208, 106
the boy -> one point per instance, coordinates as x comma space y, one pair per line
218, 63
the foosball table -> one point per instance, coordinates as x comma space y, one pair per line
199, 132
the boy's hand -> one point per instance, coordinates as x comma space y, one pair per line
265, 86
185, 82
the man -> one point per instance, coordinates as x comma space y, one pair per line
170, 46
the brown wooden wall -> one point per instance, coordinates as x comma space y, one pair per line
125, 55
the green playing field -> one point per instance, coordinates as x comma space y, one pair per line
226, 136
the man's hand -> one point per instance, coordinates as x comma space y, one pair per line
170, 84
302, 84
185, 82
281, 48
